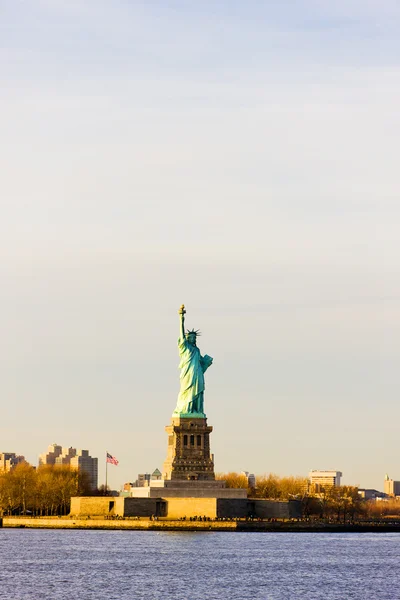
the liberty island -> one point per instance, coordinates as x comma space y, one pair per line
188, 487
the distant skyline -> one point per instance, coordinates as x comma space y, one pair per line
240, 158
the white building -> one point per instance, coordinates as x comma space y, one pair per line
325, 479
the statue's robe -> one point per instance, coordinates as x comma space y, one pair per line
192, 366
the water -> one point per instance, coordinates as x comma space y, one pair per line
122, 565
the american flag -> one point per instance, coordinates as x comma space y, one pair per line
111, 459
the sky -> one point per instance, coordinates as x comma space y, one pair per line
238, 157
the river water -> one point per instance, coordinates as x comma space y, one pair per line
135, 565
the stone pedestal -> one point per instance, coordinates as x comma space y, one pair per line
188, 456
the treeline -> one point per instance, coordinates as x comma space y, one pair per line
335, 503
269, 486
342, 503
44, 491
386, 509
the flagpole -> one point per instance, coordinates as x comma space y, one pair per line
105, 490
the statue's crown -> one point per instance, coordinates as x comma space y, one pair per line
195, 331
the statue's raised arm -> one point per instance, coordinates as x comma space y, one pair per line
182, 313
192, 367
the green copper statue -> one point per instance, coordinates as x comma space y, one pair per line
192, 366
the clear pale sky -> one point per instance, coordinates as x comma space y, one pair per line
239, 157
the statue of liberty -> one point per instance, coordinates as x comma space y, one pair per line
192, 367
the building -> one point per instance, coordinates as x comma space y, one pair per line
49, 457
82, 461
143, 480
9, 460
391, 487
66, 456
56, 455
251, 479
369, 494
77, 459
156, 475
321, 480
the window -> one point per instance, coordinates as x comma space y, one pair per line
192, 440
185, 440
199, 440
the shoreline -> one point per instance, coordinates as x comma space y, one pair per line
170, 525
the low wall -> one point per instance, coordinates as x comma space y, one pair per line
143, 507
269, 509
116, 506
295, 509
233, 508
273, 509
95, 506
183, 506
191, 507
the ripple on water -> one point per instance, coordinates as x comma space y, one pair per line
126, 565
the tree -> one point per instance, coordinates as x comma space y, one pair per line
280, 488
272, 486
233, 480
45, 491
339, 503
19, 488
102, 490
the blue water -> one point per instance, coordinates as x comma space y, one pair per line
122, 565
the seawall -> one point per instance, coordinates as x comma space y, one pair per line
171, 525
129, 524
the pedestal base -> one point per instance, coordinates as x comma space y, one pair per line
188, 457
